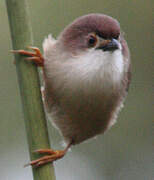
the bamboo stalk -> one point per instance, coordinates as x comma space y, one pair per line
29, 84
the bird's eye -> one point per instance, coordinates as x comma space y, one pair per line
117, 36
92, 40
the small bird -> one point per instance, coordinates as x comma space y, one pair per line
86, 74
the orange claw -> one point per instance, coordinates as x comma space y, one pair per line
35, 56
54, 155
49, 158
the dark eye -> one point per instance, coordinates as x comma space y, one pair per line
117, 36
92, 40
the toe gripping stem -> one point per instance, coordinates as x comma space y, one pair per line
35, 56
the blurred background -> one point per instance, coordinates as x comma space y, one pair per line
125, 151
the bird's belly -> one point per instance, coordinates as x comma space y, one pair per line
82, 116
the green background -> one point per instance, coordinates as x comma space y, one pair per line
125, 151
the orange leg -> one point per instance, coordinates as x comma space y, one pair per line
49, 158
35, 56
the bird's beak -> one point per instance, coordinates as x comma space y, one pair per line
109, 45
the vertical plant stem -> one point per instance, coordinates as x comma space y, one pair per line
29, 84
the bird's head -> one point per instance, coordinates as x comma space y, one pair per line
93, 31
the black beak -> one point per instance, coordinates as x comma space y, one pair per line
109, 45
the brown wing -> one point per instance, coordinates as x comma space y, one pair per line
128, 77
127, 62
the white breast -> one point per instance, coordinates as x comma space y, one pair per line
94, 69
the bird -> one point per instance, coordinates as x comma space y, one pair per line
86, 76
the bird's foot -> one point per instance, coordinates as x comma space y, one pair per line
35, 56
49, 158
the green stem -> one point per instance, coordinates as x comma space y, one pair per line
29, 84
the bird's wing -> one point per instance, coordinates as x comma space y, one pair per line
128, 77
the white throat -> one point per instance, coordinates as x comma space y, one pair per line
96, 68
